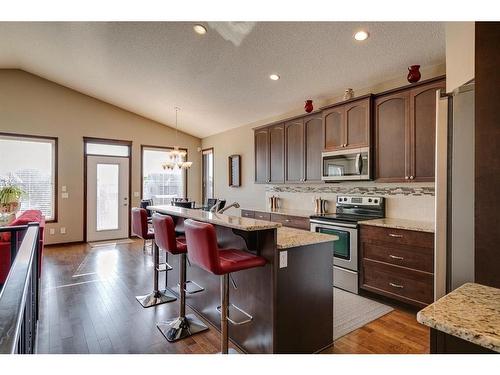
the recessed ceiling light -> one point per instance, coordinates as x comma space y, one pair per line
274, 77
361, 35
200, 29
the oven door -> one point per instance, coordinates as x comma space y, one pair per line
345, 165
345, 249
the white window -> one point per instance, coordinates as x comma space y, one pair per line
30, 163
160, 184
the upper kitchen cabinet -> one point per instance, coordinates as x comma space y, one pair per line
313, 133
294, 150
347, 125
261, 142
405, 125
423, 131
277, 153
334, 128
391, 132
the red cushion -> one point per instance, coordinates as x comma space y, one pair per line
232, 260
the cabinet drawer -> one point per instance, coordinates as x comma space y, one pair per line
397, 236
291, 221
406, 285
247, 213
263, 216
419, 258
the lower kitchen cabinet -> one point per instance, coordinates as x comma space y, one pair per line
398, 264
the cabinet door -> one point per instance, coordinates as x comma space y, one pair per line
294, 151
313, 126
391, 133
277, 154
423, 131
334, 128
357, 117
261, 137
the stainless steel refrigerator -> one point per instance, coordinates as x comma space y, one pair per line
454, 235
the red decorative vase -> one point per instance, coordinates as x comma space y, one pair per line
308, 106
414, 73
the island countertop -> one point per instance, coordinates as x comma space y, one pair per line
291, 237
235, 222
470, 312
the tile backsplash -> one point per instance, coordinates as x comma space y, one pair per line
413, 201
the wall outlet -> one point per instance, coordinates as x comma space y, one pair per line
63, 188
65, 195
283, 259
63, 230
52, 231
136, 194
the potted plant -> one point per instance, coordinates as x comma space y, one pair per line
10, 196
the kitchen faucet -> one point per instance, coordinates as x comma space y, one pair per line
234, 204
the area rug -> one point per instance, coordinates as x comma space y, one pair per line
351, 312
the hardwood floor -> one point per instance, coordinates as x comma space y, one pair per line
88, 305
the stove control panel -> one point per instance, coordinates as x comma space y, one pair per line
347, 200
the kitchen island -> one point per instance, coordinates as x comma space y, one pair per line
290, 299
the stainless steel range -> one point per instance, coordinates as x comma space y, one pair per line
344, 223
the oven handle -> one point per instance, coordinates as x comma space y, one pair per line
332, 225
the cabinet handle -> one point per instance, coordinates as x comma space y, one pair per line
395, 235
396, 286
411, 177
406, 177
287, 220
396, 257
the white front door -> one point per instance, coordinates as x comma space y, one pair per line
107, 197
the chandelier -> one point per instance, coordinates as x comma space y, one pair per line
177, 156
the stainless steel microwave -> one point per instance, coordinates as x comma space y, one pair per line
346, 165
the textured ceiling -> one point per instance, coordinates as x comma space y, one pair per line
218, 81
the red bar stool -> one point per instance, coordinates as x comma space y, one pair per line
203, 251
140, 229
184, 325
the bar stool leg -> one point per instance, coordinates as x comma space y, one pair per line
157, 297
184, 325
224, 295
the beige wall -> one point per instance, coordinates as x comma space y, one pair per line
460, 39
32, 105
240, 141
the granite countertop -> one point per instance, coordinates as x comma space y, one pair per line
235, 222
291, 237
284, 211
471, 312
416, 225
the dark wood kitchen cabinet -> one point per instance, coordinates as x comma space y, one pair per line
303, 144
313, 129
397, 263
277, 153
348, 125
261, 143
294, 150
405, 125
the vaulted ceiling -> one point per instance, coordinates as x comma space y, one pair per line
220, 80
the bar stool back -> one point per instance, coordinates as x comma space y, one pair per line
201, 240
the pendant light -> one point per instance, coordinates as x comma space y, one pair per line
177, 156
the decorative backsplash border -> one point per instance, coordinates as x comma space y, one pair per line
414, 191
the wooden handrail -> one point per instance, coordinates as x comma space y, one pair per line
16, 290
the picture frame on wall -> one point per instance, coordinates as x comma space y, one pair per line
234, 169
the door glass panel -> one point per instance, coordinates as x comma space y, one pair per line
341, 248
107, 196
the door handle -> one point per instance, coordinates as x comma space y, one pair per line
359, 163
396, 285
